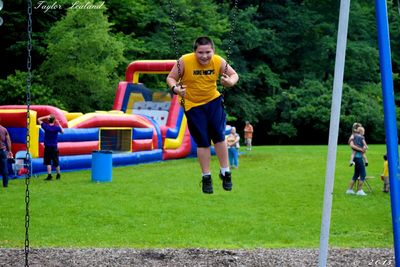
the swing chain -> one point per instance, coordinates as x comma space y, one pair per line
398, 6
176, 47
232, 30
28, 121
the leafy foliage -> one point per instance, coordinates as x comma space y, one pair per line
283, 50
82, 57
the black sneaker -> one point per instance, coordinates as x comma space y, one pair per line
49, 177
58, 176
207, 184
226, 181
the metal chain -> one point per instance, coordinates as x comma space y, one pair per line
232, 30
28, 139
398, 6
176, 47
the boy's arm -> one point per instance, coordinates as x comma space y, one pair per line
59, 125
229, 77
173, 79
41, 119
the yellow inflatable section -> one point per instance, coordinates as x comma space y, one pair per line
177, 142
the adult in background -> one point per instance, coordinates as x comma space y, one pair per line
233, 148
51, 128
5, 152
194, 78
359, 165
248, 135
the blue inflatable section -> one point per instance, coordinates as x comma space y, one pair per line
142, 133
79, 135
84, 162
136, 88
158, 130
174, 132
75, 135
18, 135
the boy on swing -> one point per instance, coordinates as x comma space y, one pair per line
194, 78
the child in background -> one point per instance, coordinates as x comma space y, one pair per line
385, 175
359, 141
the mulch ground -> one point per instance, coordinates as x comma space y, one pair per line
194, 257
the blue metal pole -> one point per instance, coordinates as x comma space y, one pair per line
390, 118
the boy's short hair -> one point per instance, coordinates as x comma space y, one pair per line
385, 157
52, 118
203, 40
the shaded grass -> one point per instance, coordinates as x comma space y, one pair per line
276, 202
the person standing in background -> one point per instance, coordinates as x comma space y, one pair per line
5, 152
51, 129
233, 148
248, 135
359, 165
385, 174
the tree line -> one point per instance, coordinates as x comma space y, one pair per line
284, 52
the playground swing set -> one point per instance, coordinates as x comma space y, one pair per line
127, 92
389, 110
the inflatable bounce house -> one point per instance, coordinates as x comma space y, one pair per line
144, 126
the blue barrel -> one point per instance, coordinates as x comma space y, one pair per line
101, 166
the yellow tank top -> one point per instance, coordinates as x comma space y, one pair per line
200, 81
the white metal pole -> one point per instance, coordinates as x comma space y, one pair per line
334, 129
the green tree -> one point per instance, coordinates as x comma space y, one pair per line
284, 52
13, 91
81, 60
145, 27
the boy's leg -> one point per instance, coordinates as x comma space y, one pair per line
49, 177
365, 159
386, 184
204, 157
47, 161
222, 153
353, 153
58, 176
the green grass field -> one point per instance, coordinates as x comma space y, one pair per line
276, 202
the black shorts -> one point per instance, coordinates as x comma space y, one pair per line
50, 155
207, 123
